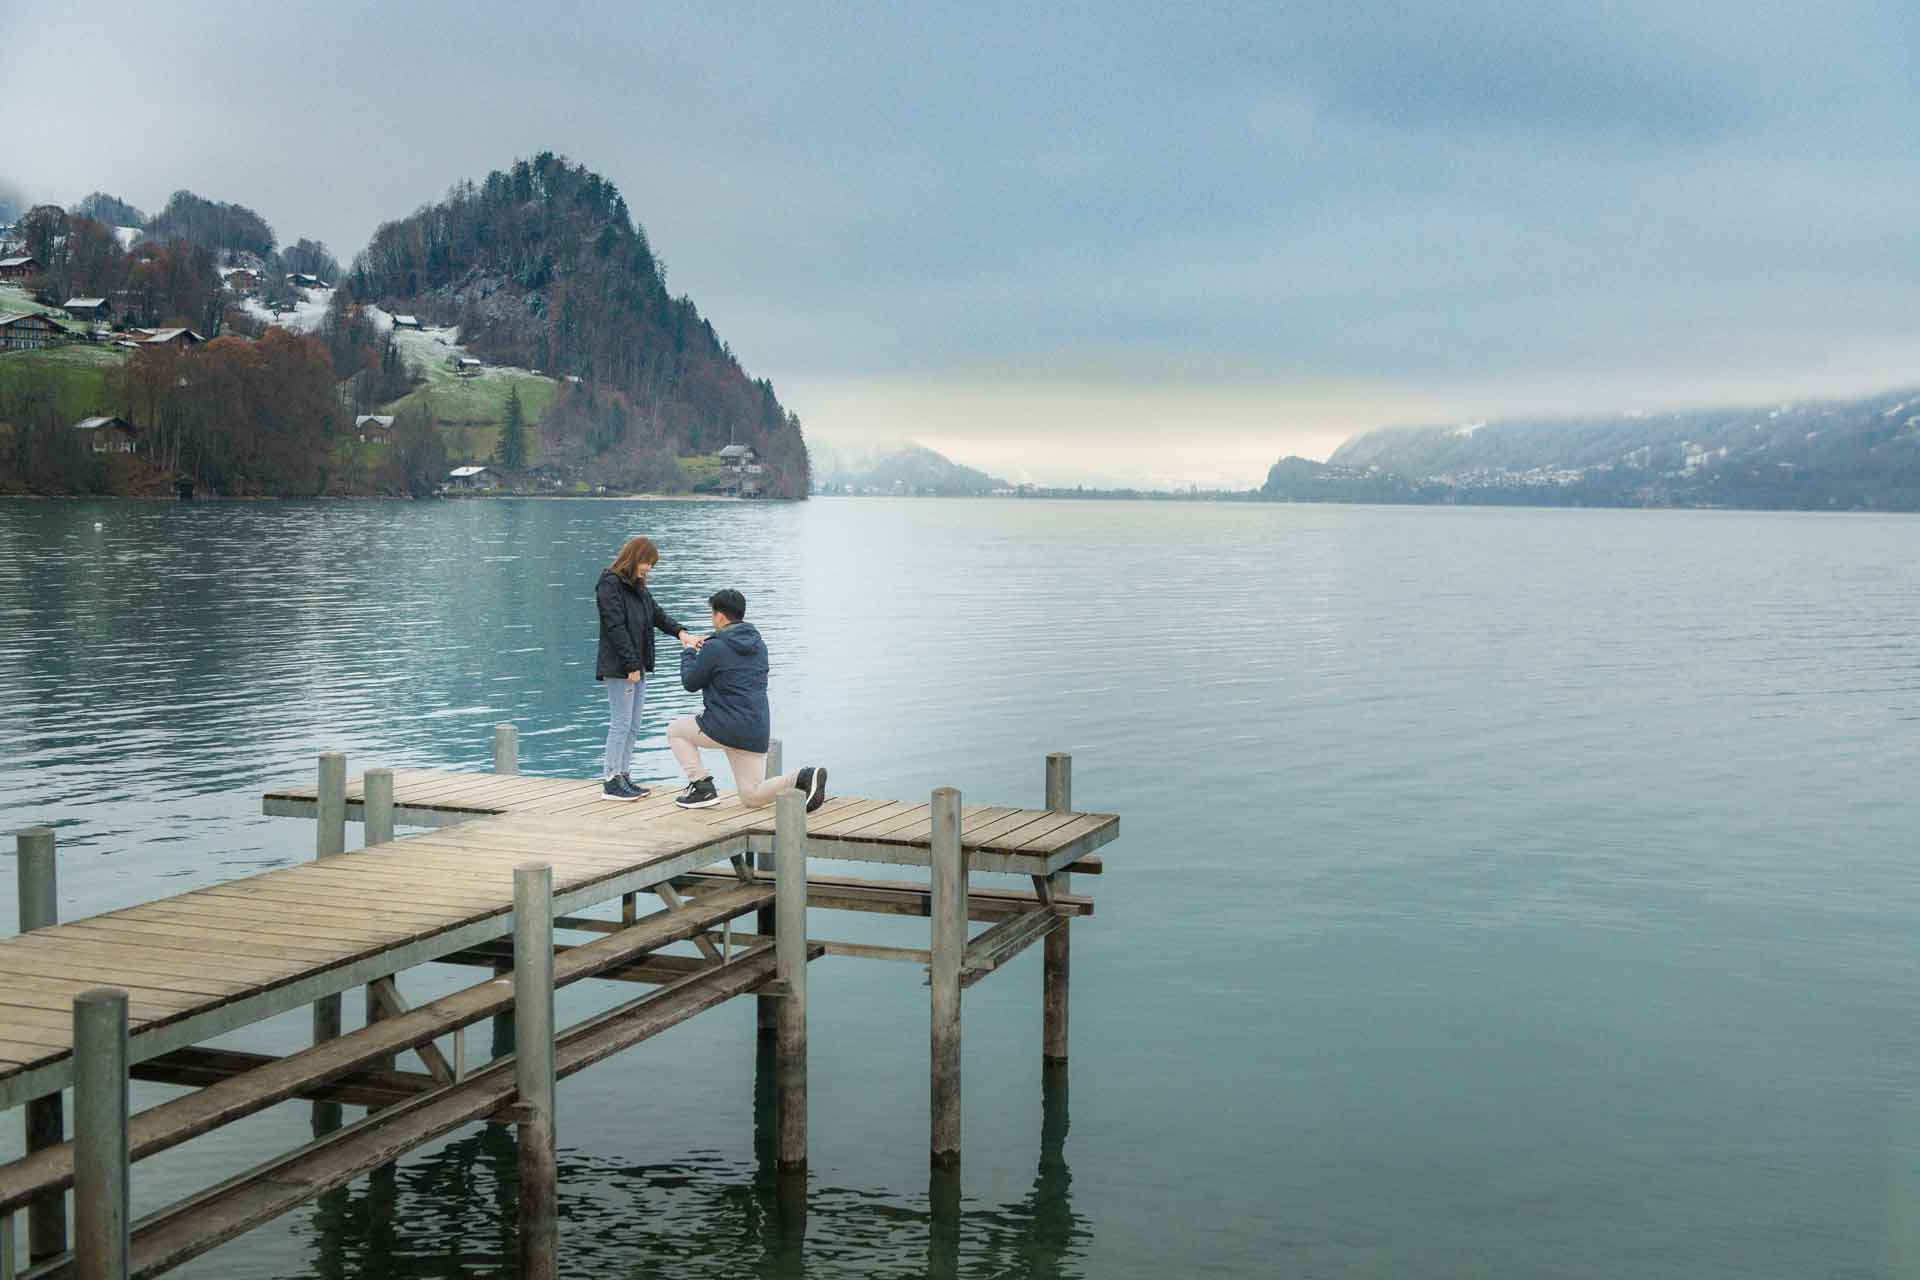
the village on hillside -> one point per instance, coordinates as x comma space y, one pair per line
483, 418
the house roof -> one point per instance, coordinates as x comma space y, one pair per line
379, 419
463, 473
18, 262
406, 320
13, 317
168, 335
471, 360
735, 451
84, 302
97, 424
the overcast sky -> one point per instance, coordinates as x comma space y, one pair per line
1150, 242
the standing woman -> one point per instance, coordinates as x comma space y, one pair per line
628, 619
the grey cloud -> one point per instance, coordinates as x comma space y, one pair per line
1477, 190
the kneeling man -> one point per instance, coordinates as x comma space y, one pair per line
728, 669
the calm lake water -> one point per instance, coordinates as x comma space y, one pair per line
1500, 892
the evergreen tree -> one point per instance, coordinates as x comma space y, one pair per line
511, 451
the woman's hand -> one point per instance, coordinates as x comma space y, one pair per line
633, 677
690, 641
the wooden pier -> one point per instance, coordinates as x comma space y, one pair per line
509, 859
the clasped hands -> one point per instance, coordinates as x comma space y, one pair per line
688, 640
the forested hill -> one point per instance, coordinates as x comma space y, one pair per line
1825, 455
541, 265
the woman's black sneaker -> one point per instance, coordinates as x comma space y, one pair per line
616, 788
699, 795
813, 781
639, 792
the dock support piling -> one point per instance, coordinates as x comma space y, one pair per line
331, 799
100, 1178
790, 958
377, 803
534, 1067
943, 1223
46, 1122
1056, 965
378, 806
767, 1008
506, 759
949, 908
330, 841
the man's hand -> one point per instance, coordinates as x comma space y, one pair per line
633, 677
690, 641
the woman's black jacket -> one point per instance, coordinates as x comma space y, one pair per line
628, 618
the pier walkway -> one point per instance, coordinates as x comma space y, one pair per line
202, 964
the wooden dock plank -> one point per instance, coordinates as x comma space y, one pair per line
1016, 841
906, 819
167, 933
450, 790
975, 819
159, 959
1003, 828
142, 1001
24, 963
17, 1054
21, 1016
212, 914
39, 1035
403, 877
860, 816
1059, 837
304, 895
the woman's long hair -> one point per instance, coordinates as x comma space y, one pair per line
637, 552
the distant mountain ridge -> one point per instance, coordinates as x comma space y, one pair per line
1859, 454
897, 467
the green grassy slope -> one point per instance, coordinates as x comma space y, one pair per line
77, 375
470, 410
14, 298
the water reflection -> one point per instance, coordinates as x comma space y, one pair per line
452, 1213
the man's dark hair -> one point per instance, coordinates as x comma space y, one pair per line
729, 602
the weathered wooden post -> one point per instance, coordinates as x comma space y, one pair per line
768, 1007
330, 841
377, 806
533, 1067
100, 1184
1057, 949
790, 957
949, 907
331, 797
506, 759
45, 1117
